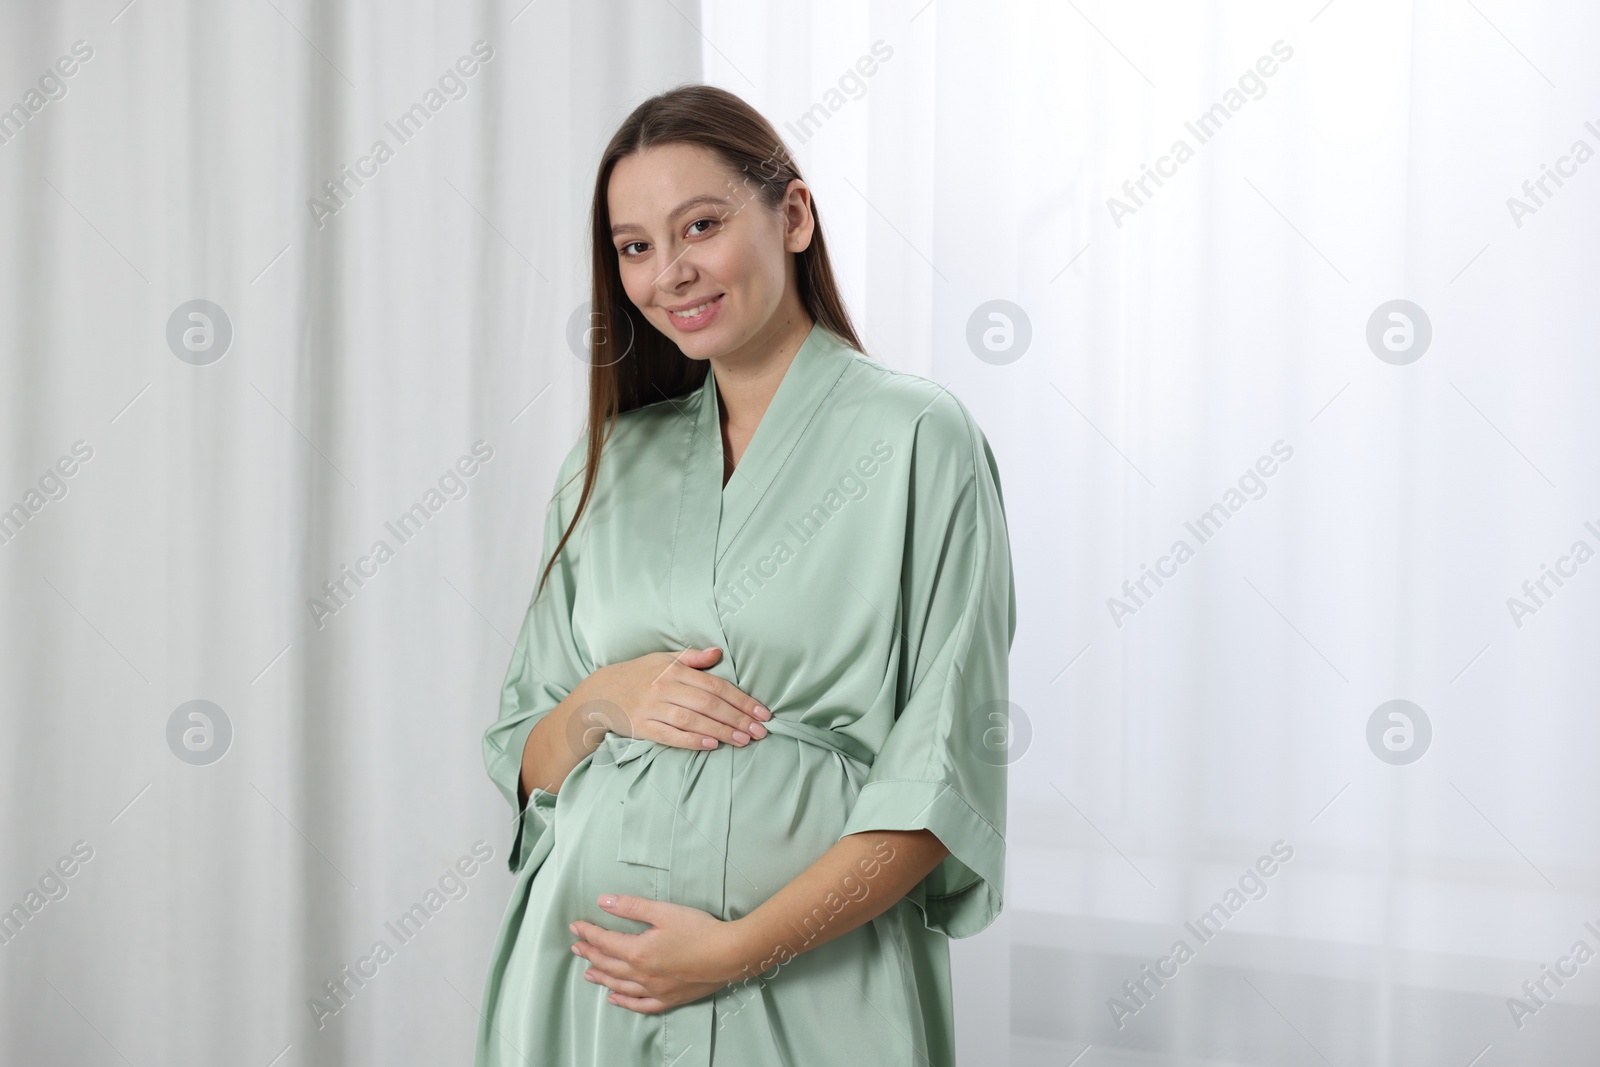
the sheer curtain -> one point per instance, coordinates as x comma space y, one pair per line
382, 357
1336, 346
1200, 345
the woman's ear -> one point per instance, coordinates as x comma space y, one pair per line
798, 221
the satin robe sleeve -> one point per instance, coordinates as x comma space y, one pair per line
545, 667
943, 765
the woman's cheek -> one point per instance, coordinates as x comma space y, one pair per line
636, 287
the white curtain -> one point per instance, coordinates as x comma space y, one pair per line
377, 337
1342, 156
1373, 497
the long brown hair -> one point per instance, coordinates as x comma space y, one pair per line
652, 368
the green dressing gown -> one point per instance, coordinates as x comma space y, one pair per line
855, 570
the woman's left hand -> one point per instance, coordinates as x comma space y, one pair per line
688, 954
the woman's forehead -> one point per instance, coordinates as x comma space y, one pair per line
659, 181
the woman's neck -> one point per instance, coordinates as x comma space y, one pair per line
748, 380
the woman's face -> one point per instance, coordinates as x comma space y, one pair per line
688, 232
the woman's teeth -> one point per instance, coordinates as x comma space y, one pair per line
692, 312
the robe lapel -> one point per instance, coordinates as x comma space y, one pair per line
710, 517
811, 375
694, 537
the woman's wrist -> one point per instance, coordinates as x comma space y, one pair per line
557, 743
741, 954
760, 941
593, 709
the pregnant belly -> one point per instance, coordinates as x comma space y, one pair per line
720, 830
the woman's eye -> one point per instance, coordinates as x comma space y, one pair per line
626, 251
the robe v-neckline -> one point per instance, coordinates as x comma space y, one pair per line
713, 399
711, 514
810, 376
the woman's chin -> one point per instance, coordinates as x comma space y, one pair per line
701, 344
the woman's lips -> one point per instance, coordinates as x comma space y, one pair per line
698, 322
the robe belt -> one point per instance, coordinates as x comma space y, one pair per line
649, 808
649, 814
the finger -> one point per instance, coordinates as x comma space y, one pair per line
629, 906
743, 703
656, 730
719, 687
696, 710
604, 962
616, 985
738, 698
696, 659
673, 704
706, 723
669, 706
614, 942
642, 1005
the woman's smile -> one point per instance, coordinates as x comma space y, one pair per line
697, 317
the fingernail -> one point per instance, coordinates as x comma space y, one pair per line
741, 737
708, 742
758, 730
762, 713
608, 901
572, 927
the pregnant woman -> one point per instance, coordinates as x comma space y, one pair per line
754, 726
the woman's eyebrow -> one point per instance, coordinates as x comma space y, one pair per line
692, 202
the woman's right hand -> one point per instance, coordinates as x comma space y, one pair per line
669, 697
